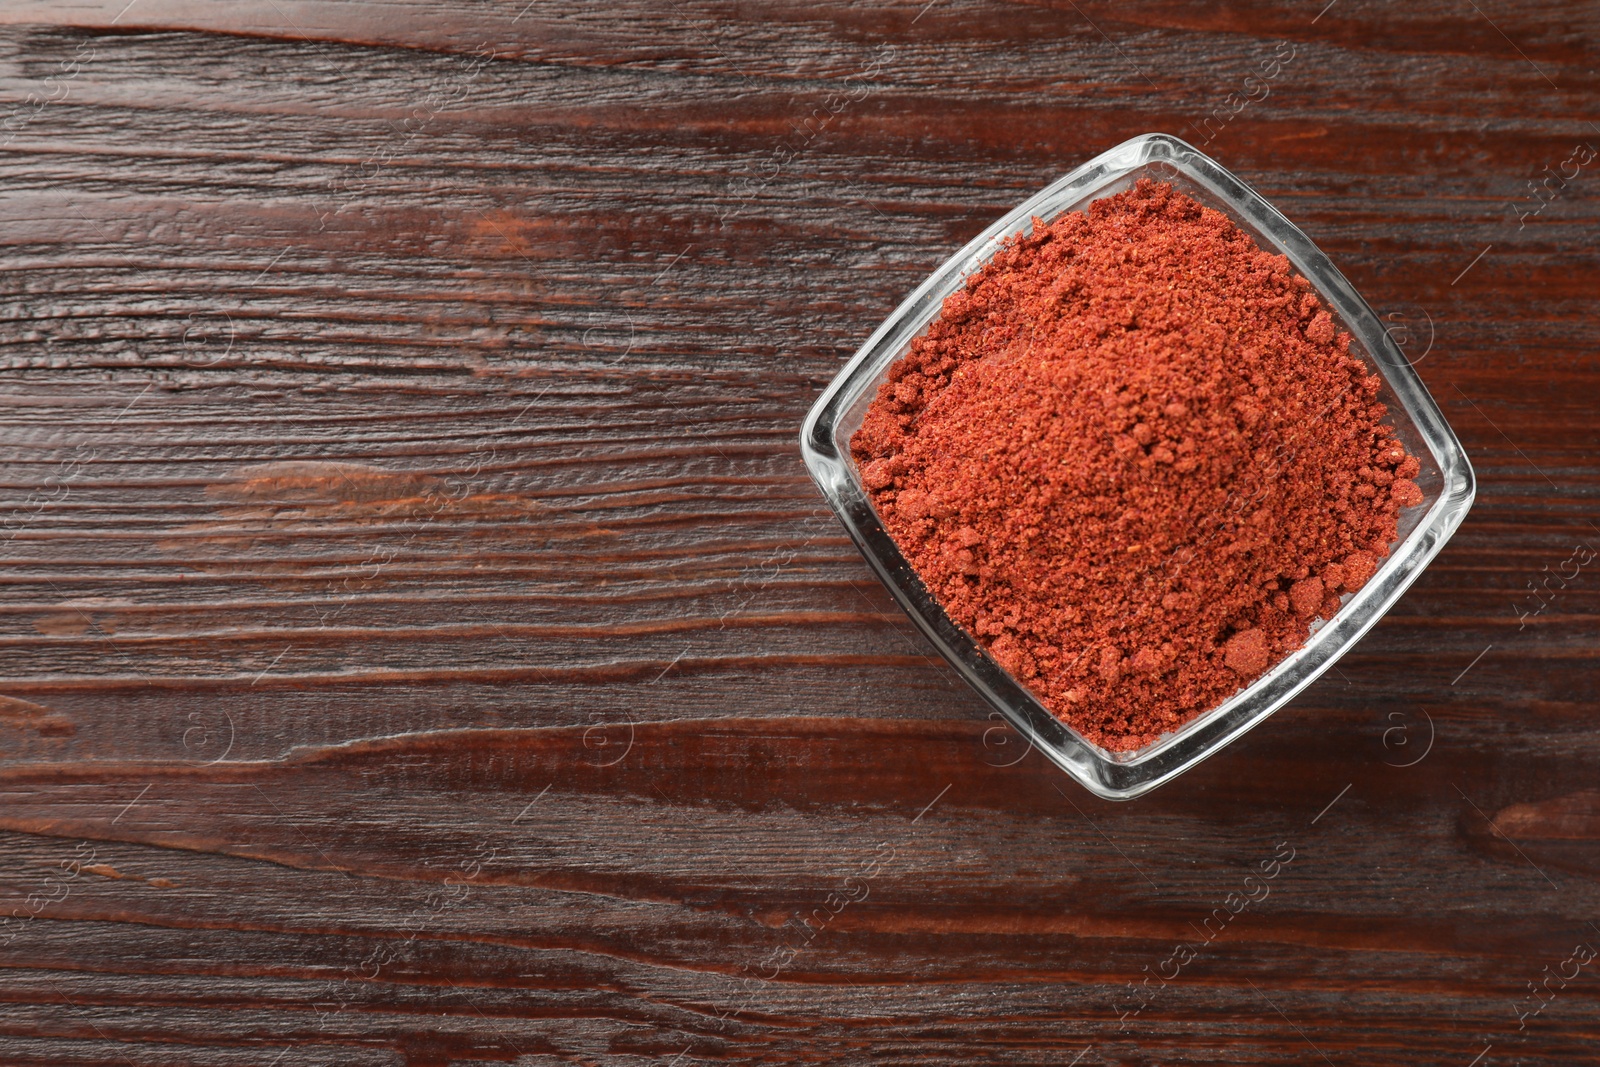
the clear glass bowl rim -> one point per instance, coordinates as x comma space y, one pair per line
824, 441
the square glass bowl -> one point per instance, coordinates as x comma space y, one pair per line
1446, 478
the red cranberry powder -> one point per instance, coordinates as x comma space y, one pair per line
1135, 458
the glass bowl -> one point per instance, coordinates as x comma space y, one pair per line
1446, 478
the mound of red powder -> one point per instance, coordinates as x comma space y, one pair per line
1135, 459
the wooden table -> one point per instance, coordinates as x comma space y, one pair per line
422, 644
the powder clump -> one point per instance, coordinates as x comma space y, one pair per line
1135, 458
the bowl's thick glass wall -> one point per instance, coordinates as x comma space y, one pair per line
1446, 479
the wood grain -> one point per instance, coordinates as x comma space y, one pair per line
420, 643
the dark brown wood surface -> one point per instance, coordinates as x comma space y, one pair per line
420, 642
